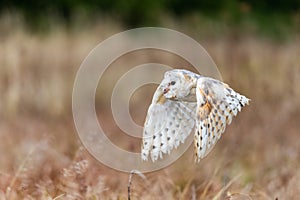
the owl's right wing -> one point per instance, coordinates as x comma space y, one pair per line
217, 103
167, 124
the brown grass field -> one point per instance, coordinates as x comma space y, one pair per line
258, 157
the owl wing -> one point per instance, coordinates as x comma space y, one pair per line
167, 124
217, 103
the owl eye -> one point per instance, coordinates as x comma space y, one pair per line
172, 82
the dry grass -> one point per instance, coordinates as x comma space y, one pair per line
41, 157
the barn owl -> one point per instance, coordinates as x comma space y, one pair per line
183, 102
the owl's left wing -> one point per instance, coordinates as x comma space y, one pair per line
167, 124
217, 103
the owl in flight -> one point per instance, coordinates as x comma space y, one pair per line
183, 102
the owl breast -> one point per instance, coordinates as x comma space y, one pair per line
190, 97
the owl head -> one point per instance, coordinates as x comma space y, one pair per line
177, 84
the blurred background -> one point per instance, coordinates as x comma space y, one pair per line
255, 44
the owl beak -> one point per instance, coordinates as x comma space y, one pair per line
166, 90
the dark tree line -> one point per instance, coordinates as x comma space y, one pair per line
147, 12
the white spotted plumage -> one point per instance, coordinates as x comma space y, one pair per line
185, 101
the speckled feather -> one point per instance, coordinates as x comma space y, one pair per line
167, 125
184, 101
217, 104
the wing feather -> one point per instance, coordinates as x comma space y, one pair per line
217, 103
168, 123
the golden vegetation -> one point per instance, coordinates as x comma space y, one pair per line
41, 157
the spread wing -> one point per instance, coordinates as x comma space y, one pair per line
167, 124
217, 103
